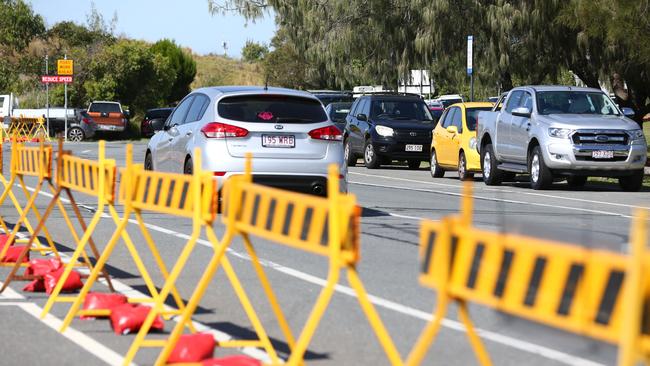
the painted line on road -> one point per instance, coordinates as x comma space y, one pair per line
494, 199
80, 339
504, 191
518, 344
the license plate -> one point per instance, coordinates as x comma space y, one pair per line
108, 127
414, 148
602, 154
286, 141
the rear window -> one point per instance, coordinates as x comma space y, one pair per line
272, 109
472, 116
158, 113
105, 108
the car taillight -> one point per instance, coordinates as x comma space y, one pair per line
85, 120
218, 130
326, 133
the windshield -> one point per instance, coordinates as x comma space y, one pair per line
400, 110
471, 116
272, 109
574, 102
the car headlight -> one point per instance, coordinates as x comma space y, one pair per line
384, 131
637, 136
472, 143
559, 132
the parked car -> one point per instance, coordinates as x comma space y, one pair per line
109, 116
558, 132
454, 141
80, 126
337, 113
436, 113
386, 127
292, 140
153, 121
449, 99
331, 96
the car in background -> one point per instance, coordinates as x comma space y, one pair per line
337, 113
153, 121
449, 99
292, 140
436, 113
454, 141
387, 127
109, 116
81, 126
331, 96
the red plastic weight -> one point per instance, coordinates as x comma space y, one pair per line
232, 361
72, 283
41, 267
101, 301
128, 318
193, 348
13, 252
35, 286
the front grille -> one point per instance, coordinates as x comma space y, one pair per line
589, 158
407, 136
596, 137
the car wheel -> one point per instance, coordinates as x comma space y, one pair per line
576, 181
492, 176
540, 175
350, 158
462, 168
75, 134
631, 183
148, 161
188, 168
369, 157
436, 170
413, 164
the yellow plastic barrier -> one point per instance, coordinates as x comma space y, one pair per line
106, 188
25, 129
27, 162
72, 174
323, 226
594, 293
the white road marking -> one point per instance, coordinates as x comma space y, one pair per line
607, 213
518, 344
502, 190
80, 339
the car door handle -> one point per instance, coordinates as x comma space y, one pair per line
189, 133
170, 139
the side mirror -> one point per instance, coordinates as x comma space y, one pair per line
521, 112
127, 113
173, 131
452, 130
362, 117
628, 112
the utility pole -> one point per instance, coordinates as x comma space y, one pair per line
225, 48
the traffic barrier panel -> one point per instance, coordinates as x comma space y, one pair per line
72, 174
200, 205
327, 227
27, 161
106, 188
26, 129
590, 292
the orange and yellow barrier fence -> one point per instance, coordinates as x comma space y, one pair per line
25, 129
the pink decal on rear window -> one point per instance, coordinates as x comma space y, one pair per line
266, 116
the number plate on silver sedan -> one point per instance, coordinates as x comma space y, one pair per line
413, 148
278, 141
602, 154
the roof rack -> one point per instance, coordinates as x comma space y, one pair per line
393, 93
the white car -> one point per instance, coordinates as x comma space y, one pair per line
292, 139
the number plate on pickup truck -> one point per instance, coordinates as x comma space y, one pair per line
278, 141
413, 148
602, 154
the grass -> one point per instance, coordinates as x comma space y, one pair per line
646, 131
214, 70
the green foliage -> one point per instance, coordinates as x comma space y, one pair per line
212, 70
19, 24
253, 51
183, 68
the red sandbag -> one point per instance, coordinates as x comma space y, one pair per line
128, 318
193, 348
72, 283
100, 301
232, 361
13, 252
3, 239
41, 267
35, 286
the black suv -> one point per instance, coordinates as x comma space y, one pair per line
388, 127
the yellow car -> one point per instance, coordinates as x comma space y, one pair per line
454, 141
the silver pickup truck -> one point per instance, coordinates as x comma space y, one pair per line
555, 132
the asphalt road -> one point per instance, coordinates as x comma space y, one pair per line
394, 200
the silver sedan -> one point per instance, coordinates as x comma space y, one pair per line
288, 132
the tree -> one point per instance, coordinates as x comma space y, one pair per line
19, 24
182, 65
253, 51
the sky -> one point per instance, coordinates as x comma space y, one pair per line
187, 22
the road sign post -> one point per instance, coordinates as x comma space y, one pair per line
470, 71
65, 67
